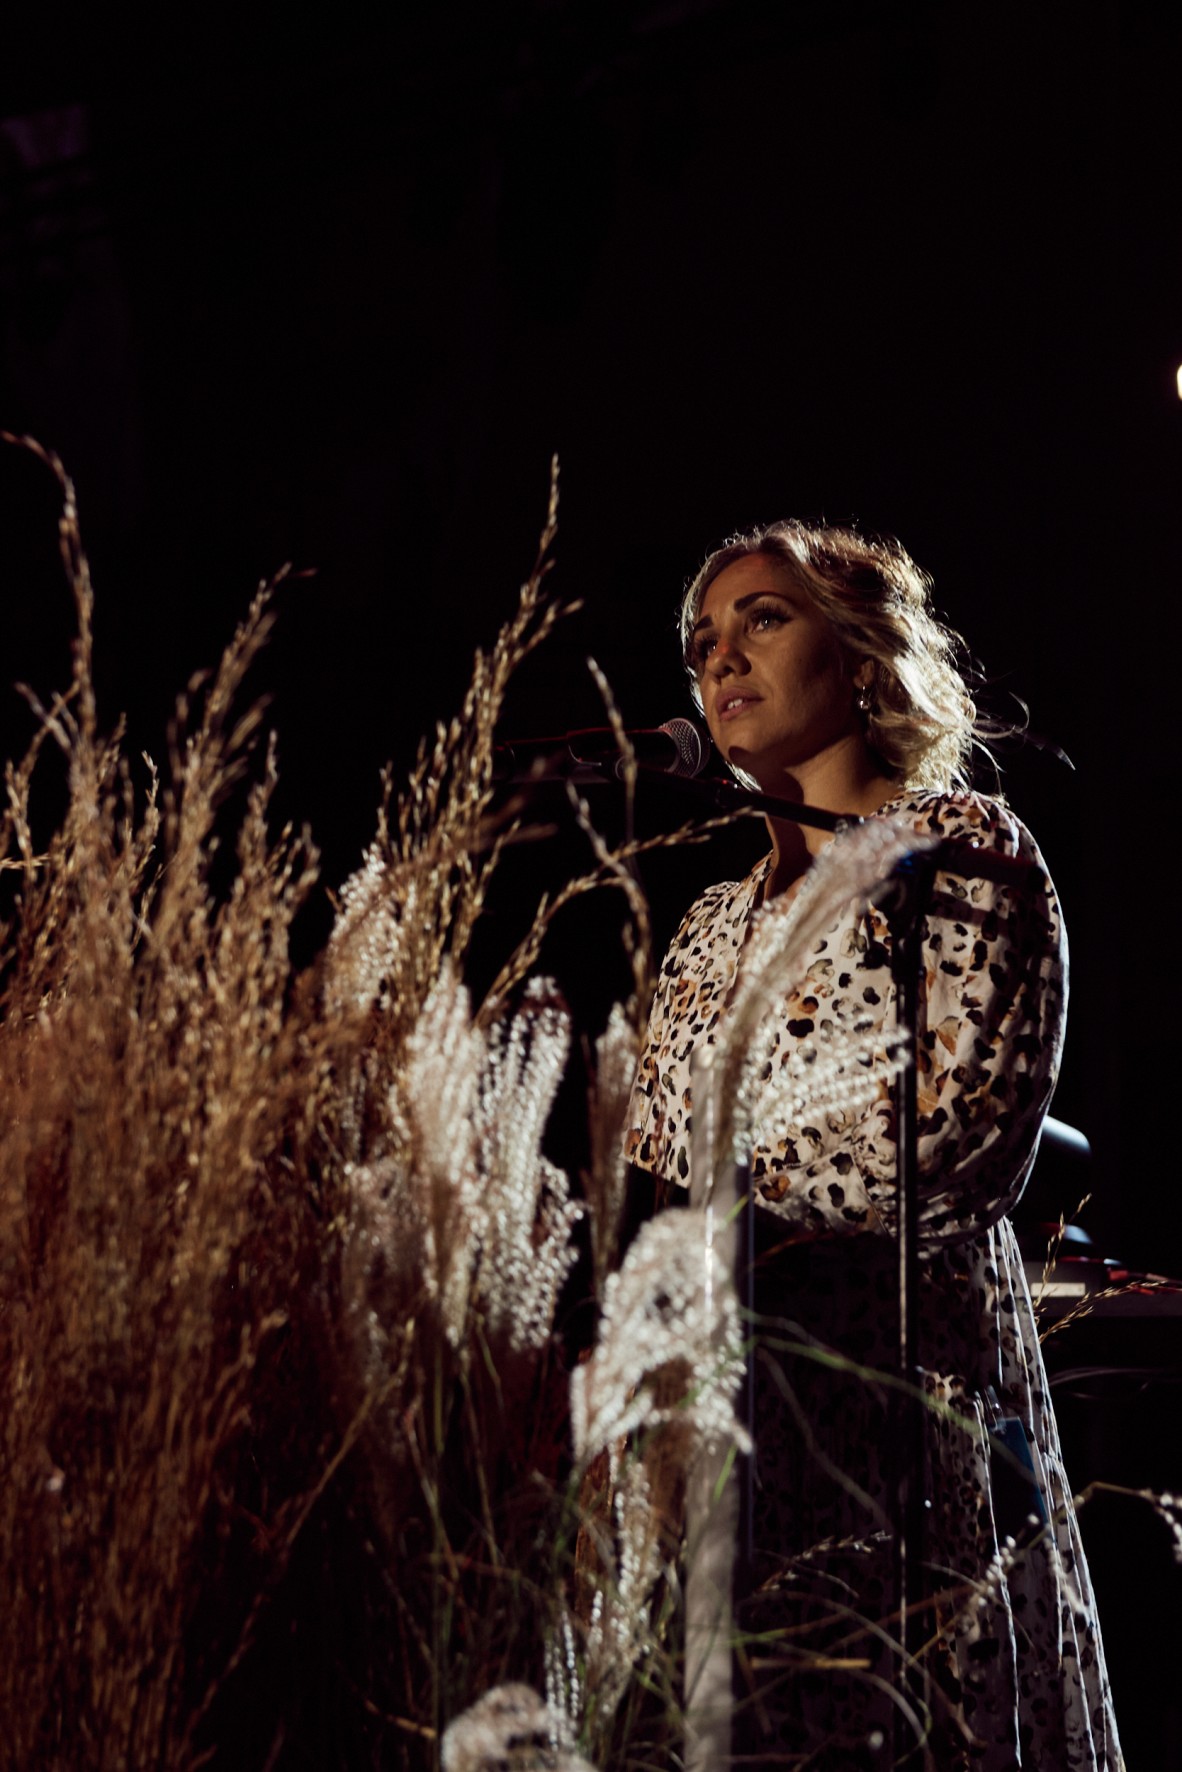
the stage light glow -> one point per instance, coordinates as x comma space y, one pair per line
1180, 381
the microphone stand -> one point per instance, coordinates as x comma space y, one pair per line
951, 856
905, 905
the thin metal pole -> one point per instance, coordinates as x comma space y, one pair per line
905, 914
712, 1499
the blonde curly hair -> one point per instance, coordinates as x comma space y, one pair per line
922, 721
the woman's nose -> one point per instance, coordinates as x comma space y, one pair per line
723, 657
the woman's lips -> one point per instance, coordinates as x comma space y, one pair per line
730, 706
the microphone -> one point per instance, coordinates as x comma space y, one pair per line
676, 748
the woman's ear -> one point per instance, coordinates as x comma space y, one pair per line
864, 675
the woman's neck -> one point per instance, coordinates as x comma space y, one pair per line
859, 788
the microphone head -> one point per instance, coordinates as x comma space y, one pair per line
692, 752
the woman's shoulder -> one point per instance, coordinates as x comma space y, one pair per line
962, 814
726, 902
974, 818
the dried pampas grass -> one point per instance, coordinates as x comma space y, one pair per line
152, 1218
278, 1249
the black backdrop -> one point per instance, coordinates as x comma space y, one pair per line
332, 291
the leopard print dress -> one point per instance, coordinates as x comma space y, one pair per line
1013, 1670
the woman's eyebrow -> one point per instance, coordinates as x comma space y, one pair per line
707, 621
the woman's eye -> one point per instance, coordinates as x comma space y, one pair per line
768, 617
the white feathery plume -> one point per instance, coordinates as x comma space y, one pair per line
843, 1068
529, 1215
435, 1108
619, 1627
367, 932
510, 1729
382, 1244
618, 1632
464, 1202
564, 1685
841, 1072
662, 1330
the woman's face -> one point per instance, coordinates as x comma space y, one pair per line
775, 689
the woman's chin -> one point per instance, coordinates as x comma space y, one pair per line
769, 778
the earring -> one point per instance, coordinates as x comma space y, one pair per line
865, 699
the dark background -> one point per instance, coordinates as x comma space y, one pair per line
332, 291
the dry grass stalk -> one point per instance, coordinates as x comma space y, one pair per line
147, 1240
198, 1146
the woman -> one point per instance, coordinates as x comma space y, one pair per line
825, 679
